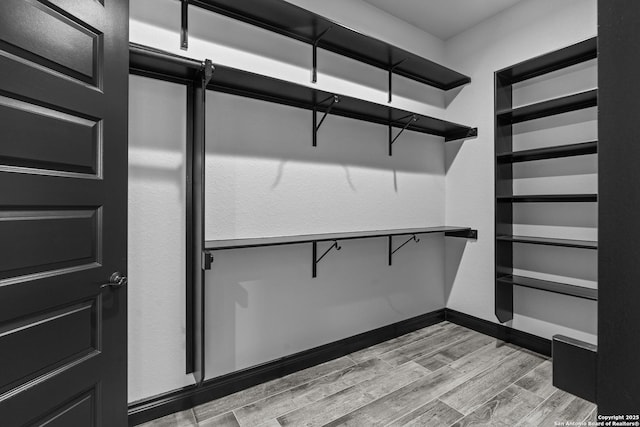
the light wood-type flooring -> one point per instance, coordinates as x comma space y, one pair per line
442, 375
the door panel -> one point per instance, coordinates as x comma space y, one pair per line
63, 201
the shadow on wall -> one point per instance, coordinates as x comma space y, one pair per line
255, 294
238, 126
454, 250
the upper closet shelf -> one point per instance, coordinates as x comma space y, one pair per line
549, 62
292, 21
155, 63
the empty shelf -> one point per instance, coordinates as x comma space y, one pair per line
550, 107
554, 152
549, 286
569, 243
155, 63
308, 238
556, 60
292, 21
549, 198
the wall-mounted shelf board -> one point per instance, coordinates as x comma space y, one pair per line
564, 104
549, 286
556, 60
214, 245
292, 21
569, 243
555, 152
548, 198
156, 63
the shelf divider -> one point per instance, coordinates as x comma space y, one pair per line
554, 152
564, 104
548, 241
550, 286
548, 198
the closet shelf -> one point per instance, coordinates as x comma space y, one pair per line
155, 63
554, 152
543, 64
300, 24
215, 245
548, 198
569, 243
549, 286
564, 104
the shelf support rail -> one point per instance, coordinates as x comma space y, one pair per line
314, 73
391, 69
184, 25
393, 251
412, 119
334, 100
316, 260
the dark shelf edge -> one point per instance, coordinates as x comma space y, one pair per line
571, 55
569, 243
550, 107
550, 286
326, 237
319, 21
549, 198
555, 152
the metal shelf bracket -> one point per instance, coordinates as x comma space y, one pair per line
334, 100
316, 260
393, 251
207, 260
184, 25
314, 73
465, 234
391, 69
412, 119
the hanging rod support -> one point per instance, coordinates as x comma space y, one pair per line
391, 69
316, 260
392, 139
207, 260
334, 100
184, 25
314, 74
393, 251
207, 72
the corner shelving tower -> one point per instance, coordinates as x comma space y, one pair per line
505, 117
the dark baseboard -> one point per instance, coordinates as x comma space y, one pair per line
188, 397
501, 332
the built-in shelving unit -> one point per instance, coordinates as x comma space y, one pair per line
300, 24
506, 116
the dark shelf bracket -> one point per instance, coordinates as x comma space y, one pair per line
391, 69
393, 251
314, 72
184, 25
465, 234
334, 100
412, 119
316, 260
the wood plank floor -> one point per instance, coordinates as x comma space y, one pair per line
442, 375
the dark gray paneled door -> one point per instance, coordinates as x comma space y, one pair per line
63, 212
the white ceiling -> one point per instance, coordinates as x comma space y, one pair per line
443, 18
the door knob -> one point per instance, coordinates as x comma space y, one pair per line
117, 280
